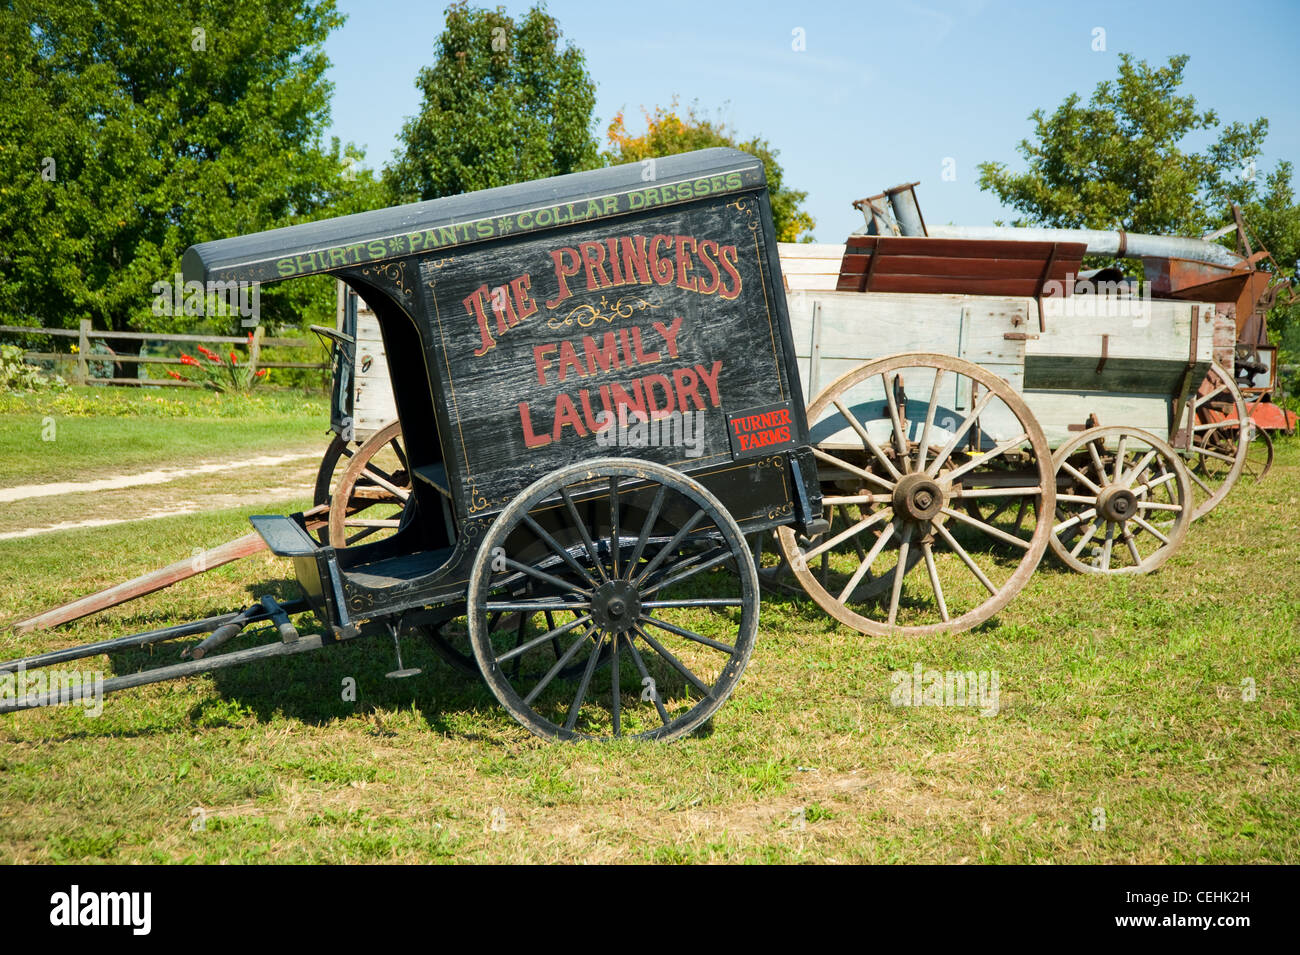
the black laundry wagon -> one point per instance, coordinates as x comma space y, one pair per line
597, 389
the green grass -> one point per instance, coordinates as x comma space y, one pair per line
1124, 695
94, 432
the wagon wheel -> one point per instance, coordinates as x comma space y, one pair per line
1018, 513
450, 640
1259, 457
332, 465
1128, 502
369, 500
961, 436
330, 469
652, 590
1219, 444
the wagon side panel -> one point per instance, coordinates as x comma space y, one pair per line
1124, 362
835, 332
646, 338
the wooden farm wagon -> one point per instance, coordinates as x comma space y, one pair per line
974, 401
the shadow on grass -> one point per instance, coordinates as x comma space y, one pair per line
336, 682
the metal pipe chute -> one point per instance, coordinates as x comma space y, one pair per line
1133, 244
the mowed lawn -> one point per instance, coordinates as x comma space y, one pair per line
1126, 730
88, 432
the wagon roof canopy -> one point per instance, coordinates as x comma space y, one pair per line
439, 225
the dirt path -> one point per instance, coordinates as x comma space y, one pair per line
158, 476
268, 481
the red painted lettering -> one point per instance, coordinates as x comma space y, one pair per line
567, 263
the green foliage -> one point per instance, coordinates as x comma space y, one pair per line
503, 103
1119, 162
1272, 218
222, 374
77, 401
17, 375
128, 133
668, 132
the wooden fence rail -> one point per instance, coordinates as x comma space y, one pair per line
85, 334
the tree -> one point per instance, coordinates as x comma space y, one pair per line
503, 103
667, 132
128, 134
1119, 163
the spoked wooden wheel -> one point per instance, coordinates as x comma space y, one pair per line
1259, 456
917, 455
368, 502
1219, 443
333, 463
640, 603
1128, 502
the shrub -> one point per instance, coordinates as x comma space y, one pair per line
17, 375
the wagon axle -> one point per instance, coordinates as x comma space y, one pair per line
615, 606
1117, 503
918, 497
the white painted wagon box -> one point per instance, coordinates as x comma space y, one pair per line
1147, 353
372, 388
1123, 360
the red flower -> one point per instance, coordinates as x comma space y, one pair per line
250, 338
189, 360
173, 374
260, 373
207, 354
233, 359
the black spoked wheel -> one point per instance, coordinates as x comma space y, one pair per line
613, 598
450, 640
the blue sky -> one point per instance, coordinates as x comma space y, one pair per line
883, 93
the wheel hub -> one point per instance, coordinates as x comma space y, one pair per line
1117, 504
615, 606
918, 497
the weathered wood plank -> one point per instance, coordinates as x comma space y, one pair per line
373, 405
973, 285
965, 248
1001, 267
1137, 328
1058, 410
810, 250
1151, 376
821, 282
